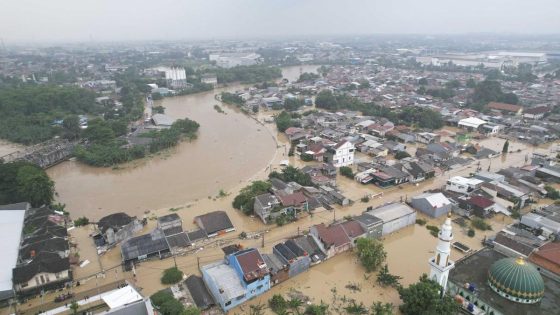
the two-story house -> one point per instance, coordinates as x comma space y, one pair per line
341, 154
267, 207
240, 277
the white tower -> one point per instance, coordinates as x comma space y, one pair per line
440, 264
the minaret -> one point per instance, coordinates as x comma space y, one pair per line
440, 264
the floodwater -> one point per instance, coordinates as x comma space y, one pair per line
9, 147
229, 150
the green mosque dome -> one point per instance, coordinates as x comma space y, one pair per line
516, 280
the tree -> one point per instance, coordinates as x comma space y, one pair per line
346, 171
471, 83
385, 278
371, 253
283, 121
278, 304
35, 185
551, 192
505, 147
424, 298
423, 81
100, 132
293, 174
245, 200
81, 221
74, 306
172, 307
401, 155
379, 308
293, 104
171, 276
191, 310
72, 126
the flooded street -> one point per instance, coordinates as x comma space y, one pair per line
9, 147
229, 150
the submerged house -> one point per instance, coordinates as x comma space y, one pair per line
214, 223
144, 246
117, 227
332, 239
242, 276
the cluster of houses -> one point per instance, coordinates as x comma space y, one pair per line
245, 273
36, 251
291, 200
169, 238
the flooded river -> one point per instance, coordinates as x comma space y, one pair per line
229, 150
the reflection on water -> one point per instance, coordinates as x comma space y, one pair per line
230, 149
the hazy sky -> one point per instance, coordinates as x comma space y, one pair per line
78, 20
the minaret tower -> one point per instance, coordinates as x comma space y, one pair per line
440, 264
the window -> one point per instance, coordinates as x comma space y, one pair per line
260, 287
228, 303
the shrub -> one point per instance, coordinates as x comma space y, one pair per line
401, 155
306, 157
171, 276
420, 222
346, 171
365, 199
434, 230
470, 233
480, 224
81, 221
278, 304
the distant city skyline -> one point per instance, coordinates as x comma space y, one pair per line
133, 20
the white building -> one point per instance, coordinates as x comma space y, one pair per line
230, 60
341, 154
462, 185
395, 216
440, 264
471, 123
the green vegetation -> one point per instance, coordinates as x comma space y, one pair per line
401, 155
417, 116
292, 174
158, 109
364, 199
505, 148
346, 171
421, 221
106, 149
232, 99
371, 253
316, 309
385, 278
308, 76
354, 308
74, 307
379, 308
424, 298
490, 91
423, 81
284, 121
551, 192
246, 198
171, 275
434, 230
293, 104
480, 224
306, 157
219, 109
27, 113
248, 74
82, 221
470, 233
197, 87
25, 182
278, 304
168, 305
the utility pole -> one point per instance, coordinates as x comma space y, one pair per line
262, 242
334, 215
198, 262
298, 230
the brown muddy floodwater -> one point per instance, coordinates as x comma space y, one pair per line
230, 149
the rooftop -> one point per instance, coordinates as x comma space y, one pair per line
392, 211
474, 270
225, 279
11, 224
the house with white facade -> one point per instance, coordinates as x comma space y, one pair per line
341, 154
463, 185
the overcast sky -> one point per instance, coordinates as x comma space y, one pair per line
110, 20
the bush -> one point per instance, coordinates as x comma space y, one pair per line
346, 171
161, 297
171, 276
470, 233
81, 221
434, 230
401, 155
385, 278
306, 157
552, 193
371, 253
480, 224
420, 222
278, 304
364, 199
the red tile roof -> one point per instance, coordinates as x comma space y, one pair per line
294, 199
480, 202
252, 264
352, 228
504, 106
547, 256
537, 110
332, 235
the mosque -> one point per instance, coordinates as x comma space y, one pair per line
491, 283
